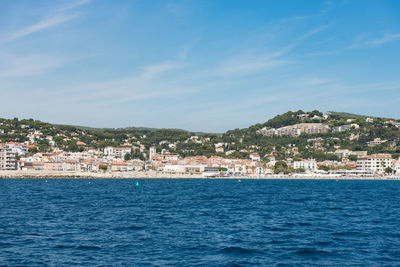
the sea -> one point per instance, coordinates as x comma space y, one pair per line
199, 222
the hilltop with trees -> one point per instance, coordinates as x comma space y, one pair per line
237, 143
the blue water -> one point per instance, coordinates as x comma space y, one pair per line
199, 222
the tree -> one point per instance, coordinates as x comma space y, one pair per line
353, 157
388, 170
280, 166
323, 168
300, 170
103, 167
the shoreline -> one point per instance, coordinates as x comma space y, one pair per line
163, 175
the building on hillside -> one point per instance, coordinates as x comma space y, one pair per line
7, 157
346, 127
342, 153
18, 148
153, 152
345, 153
118, 152
305, 164
376, 163
255, 157
359, 153
376, 142
295, 130
219, 147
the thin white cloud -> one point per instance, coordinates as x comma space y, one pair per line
364, 41
76, 4
149, 83
249, 63
152, 71
385, 39
298, 40
42, 25
318, 81
361, 41
28, 65
248, 66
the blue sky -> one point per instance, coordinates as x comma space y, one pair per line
196, 65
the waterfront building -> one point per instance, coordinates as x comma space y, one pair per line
18, 148
305, 164
7, 157
376, 163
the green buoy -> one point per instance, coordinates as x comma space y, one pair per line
137, 183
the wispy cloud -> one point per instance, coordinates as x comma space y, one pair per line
149, 83
152, 71
60, 17
385, 39
365, 41
250, 62
318, 81
361, 41
76, 4
28, 65
42, 25
247, 66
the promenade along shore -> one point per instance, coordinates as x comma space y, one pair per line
7, 174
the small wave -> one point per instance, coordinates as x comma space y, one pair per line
5, 245
239, 251
88, 247
348, 234
129, 228
63, 247
312, 252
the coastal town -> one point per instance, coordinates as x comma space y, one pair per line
314, 148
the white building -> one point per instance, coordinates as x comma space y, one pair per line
255, 156
345, 153
396, 167
153, 152
376, 142
342, 153
118, 152
376, 163
305, 164
7, 157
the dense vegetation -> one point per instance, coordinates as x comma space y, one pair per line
237, 143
